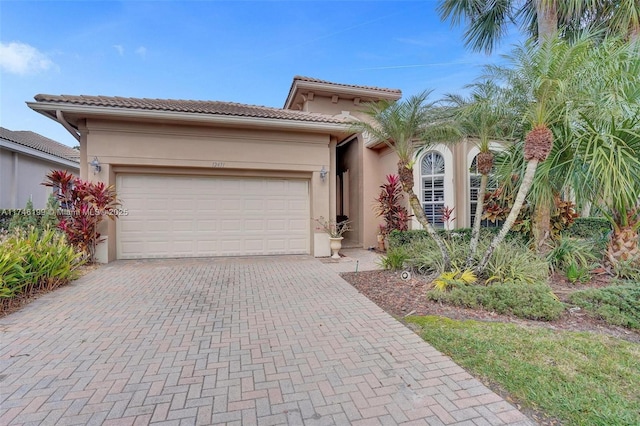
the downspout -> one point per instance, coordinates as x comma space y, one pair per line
66, 125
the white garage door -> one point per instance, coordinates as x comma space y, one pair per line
192, 216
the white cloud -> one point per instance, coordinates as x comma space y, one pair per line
119, 48
21, 58
142, 51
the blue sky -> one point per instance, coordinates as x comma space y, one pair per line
237, 51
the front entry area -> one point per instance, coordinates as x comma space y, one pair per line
201, 216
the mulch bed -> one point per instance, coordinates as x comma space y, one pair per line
403, 297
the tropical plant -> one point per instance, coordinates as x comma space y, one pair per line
607, 144
575, 273
568, 252
426, 258
455, 278
488, 21
481, 117
84, 206
32, 218
400, 125
514, 262
25, 218
545, 75
33, 260
390, 206
394, 259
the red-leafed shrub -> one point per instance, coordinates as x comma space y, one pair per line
83, 207
390, 206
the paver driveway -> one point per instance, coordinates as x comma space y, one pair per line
273, 340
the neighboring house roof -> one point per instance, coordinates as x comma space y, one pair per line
189, 106
40, 143
366, 93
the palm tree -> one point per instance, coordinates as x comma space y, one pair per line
481, 117
607, 143
488, 21
545, 75
400, 125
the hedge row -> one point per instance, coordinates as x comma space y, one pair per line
582, 227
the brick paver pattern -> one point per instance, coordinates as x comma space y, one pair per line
239, 341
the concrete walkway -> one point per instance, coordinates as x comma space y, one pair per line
243, 341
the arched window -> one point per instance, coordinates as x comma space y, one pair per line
474, 188
432, 187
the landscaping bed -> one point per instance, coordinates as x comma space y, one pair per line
404, 297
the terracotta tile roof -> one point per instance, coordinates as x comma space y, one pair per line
315, 80
40, 143
191, 106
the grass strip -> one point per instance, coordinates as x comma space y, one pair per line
579, 378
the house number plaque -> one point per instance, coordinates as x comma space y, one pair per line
217, 164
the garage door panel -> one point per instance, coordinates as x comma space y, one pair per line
174, 216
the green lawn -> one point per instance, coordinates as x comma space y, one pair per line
579, 378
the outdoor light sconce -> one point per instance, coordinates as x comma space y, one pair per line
96, 165
323, 174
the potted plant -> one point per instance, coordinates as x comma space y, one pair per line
335, 230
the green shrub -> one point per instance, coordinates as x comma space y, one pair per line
425, 256
567, 251
13, 277
36, 260
514, 262
25, 218
618, 305
404, 238
587, 227
576, 273
459, 235
31, 218
535, 301
395, 258
627, 269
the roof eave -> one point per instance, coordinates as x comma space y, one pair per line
361, 92
36, 153
49, 110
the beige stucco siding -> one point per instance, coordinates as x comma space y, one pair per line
387, 164
123, 147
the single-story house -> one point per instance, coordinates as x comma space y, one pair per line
25, 159
209, 178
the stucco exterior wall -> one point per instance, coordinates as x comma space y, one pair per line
173, 149
21, 177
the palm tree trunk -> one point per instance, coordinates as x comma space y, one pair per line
422, 218
405, 171
541, 225
527, 181
547, 12
475, 233
623, 245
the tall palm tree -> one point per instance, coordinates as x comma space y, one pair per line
400, 125
481, 117
488, 21
545, 74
